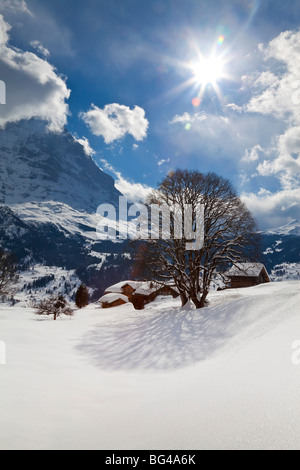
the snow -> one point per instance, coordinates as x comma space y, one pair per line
249, 269
292, 228
147, 288
285, 271
40, 279
117, 288
110, 298
162, 378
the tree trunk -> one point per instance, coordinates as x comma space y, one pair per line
203, 299
183, 298
55, 316
196, 302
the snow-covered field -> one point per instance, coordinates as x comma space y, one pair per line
162, 378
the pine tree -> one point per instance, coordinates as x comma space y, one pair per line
82, 296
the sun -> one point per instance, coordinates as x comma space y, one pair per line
207, 70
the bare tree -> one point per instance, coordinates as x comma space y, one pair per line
54, 305
8, 273
230, 234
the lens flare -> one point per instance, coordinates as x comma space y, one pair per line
196, 102
221, 39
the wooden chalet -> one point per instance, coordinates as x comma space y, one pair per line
139, 293
148, 292
125, 287
113, 300
247, 275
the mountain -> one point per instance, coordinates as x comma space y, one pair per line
39, 166
49, 194
292, 228
281, 251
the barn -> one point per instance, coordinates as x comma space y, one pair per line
148, 291
247, 275
124, 287
113, 300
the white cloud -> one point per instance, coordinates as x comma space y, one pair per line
15, 6
252, 155
162, 161
114, 121
274, 209
286, 165
275, 95
186, 118
88, 150
40, 48
234, 107
34, 89
135, 192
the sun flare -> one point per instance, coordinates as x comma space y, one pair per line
207, 70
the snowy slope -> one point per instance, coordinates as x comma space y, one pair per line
163, 378
292, 228
49, 194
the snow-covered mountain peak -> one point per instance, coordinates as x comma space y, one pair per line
292, 228
37, 166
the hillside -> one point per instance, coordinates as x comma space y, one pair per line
49, 194
281, 252
165, 377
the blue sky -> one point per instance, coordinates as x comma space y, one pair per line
126, 78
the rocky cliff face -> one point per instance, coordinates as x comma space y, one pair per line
38, 166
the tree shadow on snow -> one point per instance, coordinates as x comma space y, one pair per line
168, 339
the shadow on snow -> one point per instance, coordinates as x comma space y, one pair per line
163, 338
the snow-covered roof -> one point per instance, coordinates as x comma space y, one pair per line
117, 288
112, 297
246, 269
147, 288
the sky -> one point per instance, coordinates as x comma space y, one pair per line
150, 86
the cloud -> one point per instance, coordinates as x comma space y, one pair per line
252, 155
275, 89
234, 107
274, 209
88, 150
186, 118
135, 192
286, 165
114, 121
34, 88
276, 96
15, 6
40, 48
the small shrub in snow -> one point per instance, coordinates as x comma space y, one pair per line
54, 305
